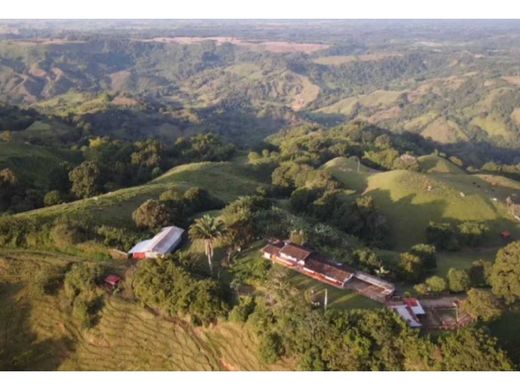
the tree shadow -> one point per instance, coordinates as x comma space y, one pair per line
20, 348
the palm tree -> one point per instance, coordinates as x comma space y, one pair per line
209, 230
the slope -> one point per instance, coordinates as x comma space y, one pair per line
225, 180
410, 199
42, 334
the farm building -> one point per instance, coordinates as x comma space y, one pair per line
112, 281
506, 235
162, 244
409, 310
371, 286
307, 262
314, 265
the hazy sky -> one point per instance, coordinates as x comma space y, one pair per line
344, 9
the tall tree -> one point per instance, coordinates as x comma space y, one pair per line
86, 179
208, 230
505, 275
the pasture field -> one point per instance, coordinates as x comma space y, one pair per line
404, 197
32, 163
41, 334
225, 180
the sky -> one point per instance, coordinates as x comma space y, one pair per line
259, 9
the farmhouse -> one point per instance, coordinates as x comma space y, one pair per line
163, 243
307, 262
318, 267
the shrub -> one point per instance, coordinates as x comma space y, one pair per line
151, 214
482, 305
427, 253
412, 266
173, 194
163, 285
441, 235
436, 284
82, 279
52, 198
480, 272
243, 310
458, 280
271, 348
66, 233
472, 233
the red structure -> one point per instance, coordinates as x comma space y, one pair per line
506, 235
316, 266
307, 262
112, 281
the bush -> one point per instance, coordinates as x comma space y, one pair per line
482, 305
82, 279
442, 236
243, 310
197, 199
479, 273
436, 284
271, 348
117, 237
53, 198
412, 266
151, 214
66, 233
164, 285
458, 280
427, 253
174, 194
472, 233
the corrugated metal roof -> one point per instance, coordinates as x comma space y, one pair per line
405, 312
162, 242
142, 246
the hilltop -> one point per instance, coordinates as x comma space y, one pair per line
405, 198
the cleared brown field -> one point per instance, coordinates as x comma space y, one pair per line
340, 60
271, 46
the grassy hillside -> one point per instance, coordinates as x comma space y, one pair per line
225, 180
404, 198
436, 164
33, 163
42, 335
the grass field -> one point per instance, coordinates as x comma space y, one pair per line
225, 180
32, 163
437, 164
404, 198
41, 334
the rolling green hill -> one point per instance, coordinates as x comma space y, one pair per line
403, 196
42, 334
225, 180
32, 163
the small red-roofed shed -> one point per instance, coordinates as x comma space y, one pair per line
506, 235
112, 280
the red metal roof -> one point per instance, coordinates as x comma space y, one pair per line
113, 279
271, 249
295, 251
